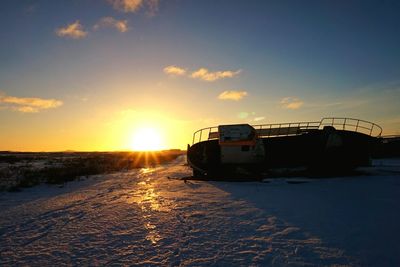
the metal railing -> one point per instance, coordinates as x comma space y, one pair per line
355, 125
205, 134
296, 128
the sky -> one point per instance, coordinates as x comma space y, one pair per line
89, 74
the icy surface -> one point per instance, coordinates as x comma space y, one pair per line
143, 218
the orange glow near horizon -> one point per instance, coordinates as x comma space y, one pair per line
106, 130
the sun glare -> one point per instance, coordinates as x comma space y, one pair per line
146, 139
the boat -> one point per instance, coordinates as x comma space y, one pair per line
243, 150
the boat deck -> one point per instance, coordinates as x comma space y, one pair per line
297, 128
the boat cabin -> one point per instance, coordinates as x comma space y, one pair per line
239, 144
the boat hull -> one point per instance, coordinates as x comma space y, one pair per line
323, 150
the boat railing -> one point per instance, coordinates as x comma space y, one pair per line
296, 128
205, 134
355, 125
285, 129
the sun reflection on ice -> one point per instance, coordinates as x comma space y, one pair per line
149, 201
153, 236
146, 170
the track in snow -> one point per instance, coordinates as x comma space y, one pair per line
141, 217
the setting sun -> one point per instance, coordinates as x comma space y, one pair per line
146, 139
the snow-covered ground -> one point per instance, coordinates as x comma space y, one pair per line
141, 217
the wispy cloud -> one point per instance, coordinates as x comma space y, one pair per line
28, 104
74, 30
174, 70
30, 9
152, 7
291, 103
110, 22
202, 73
243, 115
128, 6
250, 116
205, 75
232, 95
259, 118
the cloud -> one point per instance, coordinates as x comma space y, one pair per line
73, 30
259, 118
243, 115
128, 6
28, 104
152, 7
291, 103
204, 74
30, 9
249, 116
174, 70
109, 22
232, 95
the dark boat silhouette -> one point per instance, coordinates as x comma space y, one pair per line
242, 150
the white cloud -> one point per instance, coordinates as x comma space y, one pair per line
73, 30
259, 118
232, 95
134, 5
291, 103
28, 104
174, 70
110, 22
206, 75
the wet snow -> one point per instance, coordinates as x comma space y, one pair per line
142, 218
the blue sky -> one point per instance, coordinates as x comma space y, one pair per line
69, 67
